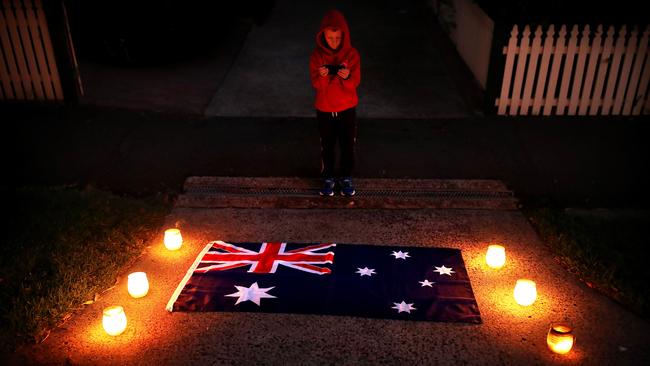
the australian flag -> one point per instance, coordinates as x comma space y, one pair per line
397, 282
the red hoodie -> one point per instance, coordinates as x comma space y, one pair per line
333, 93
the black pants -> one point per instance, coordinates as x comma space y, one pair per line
341, 128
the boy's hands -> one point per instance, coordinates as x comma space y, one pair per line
322, 71
344, 73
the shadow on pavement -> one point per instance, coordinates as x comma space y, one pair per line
572, 161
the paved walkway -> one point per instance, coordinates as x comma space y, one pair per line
261, 70
403, 75
606, 333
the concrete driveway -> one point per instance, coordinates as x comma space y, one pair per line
261, 70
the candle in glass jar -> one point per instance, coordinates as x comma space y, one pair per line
138, 285
495, 256
173, 239
114, 320
560, 338
525, 292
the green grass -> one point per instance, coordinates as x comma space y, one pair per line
607, 250
63, 247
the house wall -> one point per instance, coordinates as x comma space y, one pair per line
472, 35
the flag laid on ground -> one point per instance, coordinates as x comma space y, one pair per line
395, 282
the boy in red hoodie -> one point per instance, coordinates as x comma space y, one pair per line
335, 74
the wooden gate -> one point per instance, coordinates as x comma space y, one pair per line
28, 69
564, 74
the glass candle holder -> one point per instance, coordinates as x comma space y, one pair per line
173, 239
114, 320
138, 284
525, 292
560, 338
495, 256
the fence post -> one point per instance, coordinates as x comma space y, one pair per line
535, 51
558, 54
633, 96
594, 54
567, 71
605, 61
624, 73
645, 77
614, 71
583, 50
544, 67
58, 34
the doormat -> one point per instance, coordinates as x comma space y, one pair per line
375, 281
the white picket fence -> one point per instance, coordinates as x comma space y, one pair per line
28, 68
576, 73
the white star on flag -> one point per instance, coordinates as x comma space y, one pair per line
253, 293
444, 270
366, 271
403, 307
400, 254
426, 283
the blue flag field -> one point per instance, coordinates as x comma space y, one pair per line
392, 282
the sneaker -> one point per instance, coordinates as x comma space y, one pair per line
347, 189
328, 187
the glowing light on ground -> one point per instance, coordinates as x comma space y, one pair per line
525, 292
560, 338
138, 284
173, 239
114, 320
495, 256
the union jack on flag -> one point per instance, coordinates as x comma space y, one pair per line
223, 256
399, 282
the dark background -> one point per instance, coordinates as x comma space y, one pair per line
155, 32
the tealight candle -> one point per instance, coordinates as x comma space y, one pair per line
495, 256
138, 284
114, 320
173, 239
560, 338
525, 292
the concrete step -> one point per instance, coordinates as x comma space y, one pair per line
290, 192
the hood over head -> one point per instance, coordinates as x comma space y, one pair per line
333, 19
